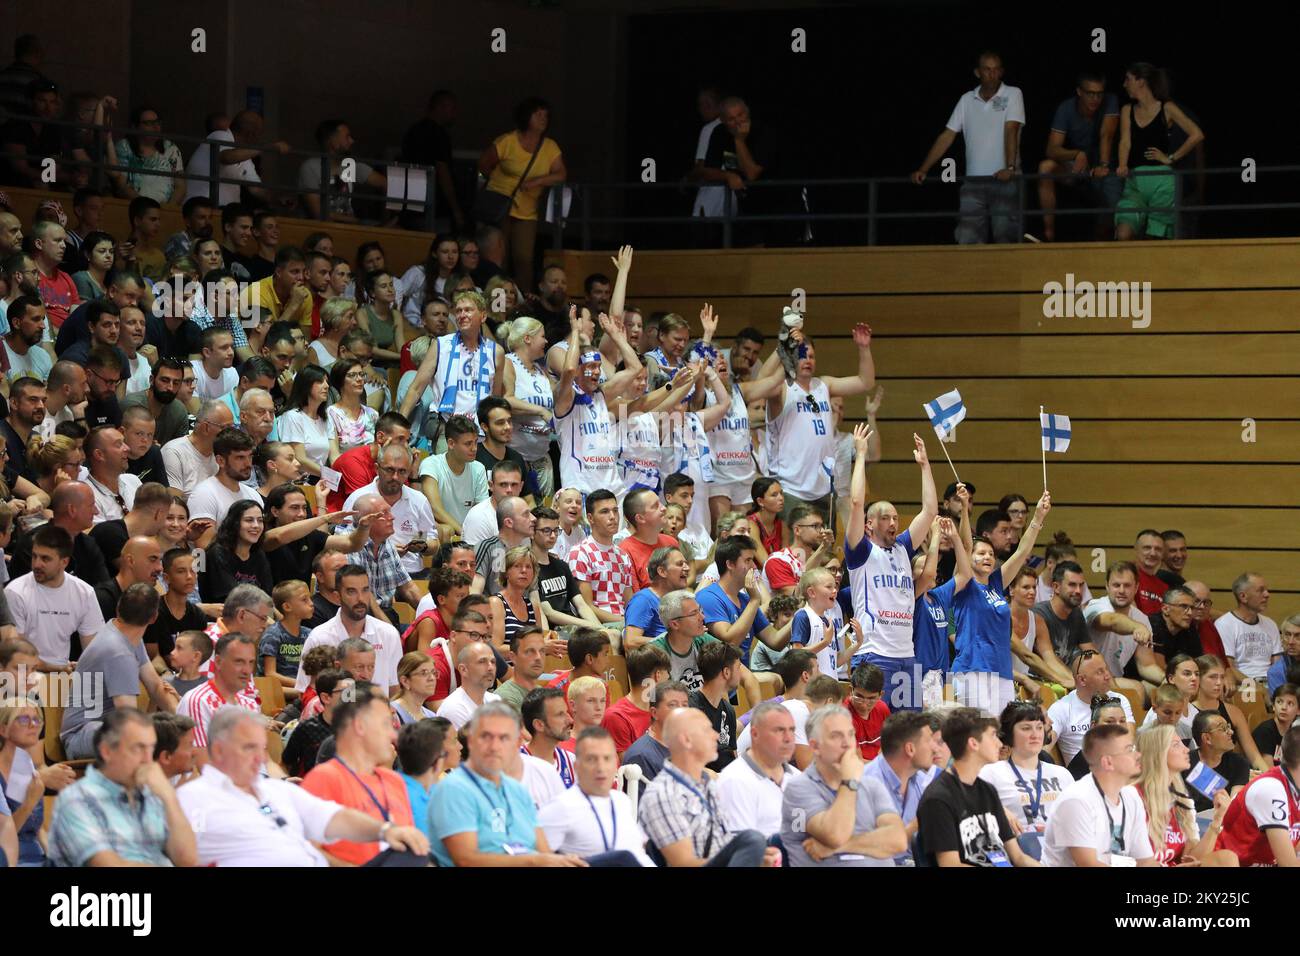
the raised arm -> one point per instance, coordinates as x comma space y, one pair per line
712, 414
858, 487
930, 571
564, 395
865, 380
1026, 547
962, 571
929, 497
623, 267
963, 494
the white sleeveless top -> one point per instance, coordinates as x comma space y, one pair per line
642, 455
694, 459
532, 434
884, 596
731, 443
588, 446
471, 378
801, 442
1026, 644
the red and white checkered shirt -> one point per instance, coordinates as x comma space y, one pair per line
608, 570
205, 700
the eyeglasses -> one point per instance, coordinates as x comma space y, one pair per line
1180, 607
697, 612
1208, 602
818, 526
394, 472
262, 618
27, 720
548, 530
105, 379
477, 635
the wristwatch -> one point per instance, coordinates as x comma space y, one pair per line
851, 784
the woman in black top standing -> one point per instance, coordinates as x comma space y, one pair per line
236, 556
1146, 207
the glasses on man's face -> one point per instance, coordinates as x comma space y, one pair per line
812, 525
1222, 729
696, 613
477, 635
27, 720
548, 530
111, 382
394, 472
1201, 605
1179, 607
260, 618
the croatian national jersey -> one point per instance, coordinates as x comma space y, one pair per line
884, 598
1270, 801
200, 703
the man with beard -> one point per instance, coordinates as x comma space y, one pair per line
1066, 631
19, 272
65, 391
105, 370
994, 526
159, 400
550, 305
104, 320
213, 497
123, 288
197, 213
354, 620
668, 570
113, 485
26, 412
380, 560
22, 353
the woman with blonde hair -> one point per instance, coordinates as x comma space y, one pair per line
418, 677
53, 461
1171, 814
530, 390
518, 605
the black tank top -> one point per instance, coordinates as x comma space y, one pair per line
513, 623
1141, 138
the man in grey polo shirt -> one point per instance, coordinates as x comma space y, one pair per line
834, 815
110, 671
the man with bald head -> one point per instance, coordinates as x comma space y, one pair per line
389, 580
11, 235
1203, 615
107, 460
415, 530
680, 810
515, 523
73, 507
65, 390
476, 667
879, 564
58, 291
189, 459
139, 563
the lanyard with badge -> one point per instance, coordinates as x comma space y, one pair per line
1117, 856
382, 807
501, 817
447, 406
1036, 800
611, 842
708, 805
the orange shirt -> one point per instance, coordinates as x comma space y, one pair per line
386, 799
640, 553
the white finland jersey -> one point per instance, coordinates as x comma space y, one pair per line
801, 442
731, 443
588, 446
884, 597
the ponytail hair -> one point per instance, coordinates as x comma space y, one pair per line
1154, 77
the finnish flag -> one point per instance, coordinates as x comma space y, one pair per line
1056, 432
945, 412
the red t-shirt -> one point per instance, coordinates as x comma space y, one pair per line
440, 629
444, 686
867, 729
640, 553
59, 293
380, 794
783, 569
316, 302
771, 542
625, 722
357, 465
1150, 593
405, 364
1211, 643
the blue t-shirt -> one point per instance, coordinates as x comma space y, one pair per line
983, 619
717, 608
1081, 132
930, 627
500, 815
643, 612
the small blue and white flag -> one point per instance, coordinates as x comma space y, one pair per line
945, 412
1056, 432
1206, 780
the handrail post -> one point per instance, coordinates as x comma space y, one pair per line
214, 171
430, 195
1178, 202
872, 200
324, 187
729, 198
586, 229
557, 227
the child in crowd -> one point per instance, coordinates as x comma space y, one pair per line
280, 649
816, 628
779, 611
192, 650
313, 662
868, 710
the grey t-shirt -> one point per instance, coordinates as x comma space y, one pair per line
1066, 635
808, 795
109, 667
340, 200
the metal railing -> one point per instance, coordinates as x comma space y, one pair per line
865, 205
94, 140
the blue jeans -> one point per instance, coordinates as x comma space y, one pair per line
901, 692
613, 858
745, 849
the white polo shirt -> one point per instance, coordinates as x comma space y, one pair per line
106, 506
459, 707
412, 518
232, 828
582, 825
749, 799
981, 124
381, 635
